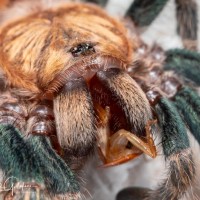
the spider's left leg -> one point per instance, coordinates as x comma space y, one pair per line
177, 152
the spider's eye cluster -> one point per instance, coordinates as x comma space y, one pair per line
82, 49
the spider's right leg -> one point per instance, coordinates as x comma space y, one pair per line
177, 152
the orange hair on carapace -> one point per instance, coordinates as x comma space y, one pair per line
36, 49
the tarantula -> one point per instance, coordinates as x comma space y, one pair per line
73, 79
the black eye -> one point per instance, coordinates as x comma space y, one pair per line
82, 49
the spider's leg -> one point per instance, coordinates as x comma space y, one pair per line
58, 177
187, 17
75, 121
143, 12
177, 151
188, 104
32, 160
185, 63
29, 156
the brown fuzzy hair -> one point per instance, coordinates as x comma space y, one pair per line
35, 49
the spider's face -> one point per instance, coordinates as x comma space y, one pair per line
76, 56
68, 66
44, 45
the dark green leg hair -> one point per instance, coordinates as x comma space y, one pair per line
188, 104
187, 17
31, 159
174, 135
143, 12
177, 152
185, 63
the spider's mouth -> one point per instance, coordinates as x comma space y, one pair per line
98, 82
124, 117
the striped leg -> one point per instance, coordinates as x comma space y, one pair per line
178, 154
187, 20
